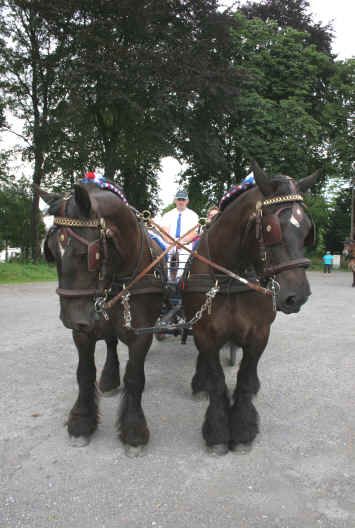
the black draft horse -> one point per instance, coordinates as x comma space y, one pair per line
349, 254
265, 228
98, 245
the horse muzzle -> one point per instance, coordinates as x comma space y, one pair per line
77, 314
294, 291
292, 303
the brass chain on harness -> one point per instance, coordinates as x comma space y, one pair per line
127, 316
207, 305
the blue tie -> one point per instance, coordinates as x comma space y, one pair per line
178, 227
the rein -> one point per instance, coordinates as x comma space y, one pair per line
218, 267
268, 233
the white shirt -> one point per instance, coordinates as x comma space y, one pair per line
189, 219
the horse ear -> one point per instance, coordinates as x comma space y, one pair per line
49, 198
261, 178
82, 199
308, 181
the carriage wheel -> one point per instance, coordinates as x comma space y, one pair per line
160, 337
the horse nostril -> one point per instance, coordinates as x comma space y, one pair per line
291, 300
82, 327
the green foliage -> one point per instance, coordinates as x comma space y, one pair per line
15, 215
130, 71
17, 272
291, 13
291, 113
119, 84
338, 228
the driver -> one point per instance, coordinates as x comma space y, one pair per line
177, 222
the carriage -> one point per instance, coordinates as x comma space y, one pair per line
112, 285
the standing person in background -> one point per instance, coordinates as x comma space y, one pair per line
177, 222
327, 262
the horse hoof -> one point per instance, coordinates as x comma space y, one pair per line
200, 396
134, 451
78, 441
242, 449
218, 449
110, 393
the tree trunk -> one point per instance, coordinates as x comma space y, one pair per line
35, 242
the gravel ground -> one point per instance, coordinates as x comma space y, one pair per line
299, 474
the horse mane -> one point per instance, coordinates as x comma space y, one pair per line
56, 206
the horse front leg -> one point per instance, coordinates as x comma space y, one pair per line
132, 425
244, 418
83, 417
110, 375
215, 429
199, 380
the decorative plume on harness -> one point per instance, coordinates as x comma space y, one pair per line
236, 190
100, 181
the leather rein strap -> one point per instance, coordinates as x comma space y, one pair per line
218, 267
269, 271
109, 304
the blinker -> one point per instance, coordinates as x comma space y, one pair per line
94, 256
271, 230
63, 238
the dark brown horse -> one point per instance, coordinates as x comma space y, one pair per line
349, 254
98, 245
266, 229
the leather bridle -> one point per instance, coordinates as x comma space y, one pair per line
268, 234
97, 251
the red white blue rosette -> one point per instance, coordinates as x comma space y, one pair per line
100, 181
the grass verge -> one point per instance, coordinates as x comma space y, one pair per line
13, 272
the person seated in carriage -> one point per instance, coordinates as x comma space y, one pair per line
212, 211
176, 222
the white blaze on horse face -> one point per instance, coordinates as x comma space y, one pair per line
296, 212
294, 221
61, 249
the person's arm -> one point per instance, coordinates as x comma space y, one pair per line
165, 225
189, 238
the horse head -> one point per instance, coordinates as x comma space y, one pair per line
284, 228
87, 244
349, 248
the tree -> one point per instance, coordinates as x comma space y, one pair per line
291, 113
295, 14
31, 86
131, 70
15, 217
338, 228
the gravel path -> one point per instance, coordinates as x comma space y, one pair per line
300, 473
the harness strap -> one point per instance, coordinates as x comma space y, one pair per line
122, 293
290, 264
201, 283
63, 292
218, 267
